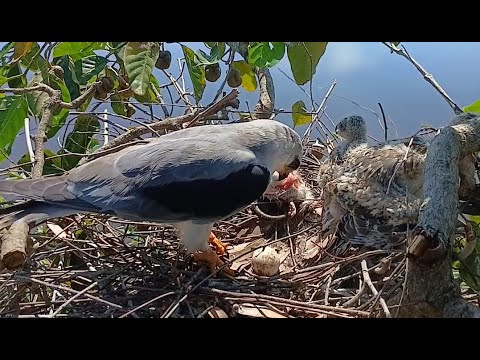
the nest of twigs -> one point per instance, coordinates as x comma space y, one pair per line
99, 266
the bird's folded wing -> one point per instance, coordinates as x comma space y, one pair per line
175, 177
385, 162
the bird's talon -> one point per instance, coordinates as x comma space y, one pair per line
220, 247
212, 260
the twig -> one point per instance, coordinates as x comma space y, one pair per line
63, 288
76, 103
357, 296
38, 87
147, 303
286, 302
384, 122
317, 114
368, 281
427, 76
80, 293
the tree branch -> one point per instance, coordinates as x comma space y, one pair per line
430, 286
76, 103
38, 87
427, 76
266, 102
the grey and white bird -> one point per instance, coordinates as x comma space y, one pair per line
371, 194
353, 131
190, 178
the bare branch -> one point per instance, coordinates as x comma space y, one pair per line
266, 101
368, 281
318, 113
427, 76
81, 99
38, 87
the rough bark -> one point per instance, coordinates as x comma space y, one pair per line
430, 290
14, 250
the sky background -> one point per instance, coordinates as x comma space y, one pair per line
367, 73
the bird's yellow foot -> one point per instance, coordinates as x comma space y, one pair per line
211, 258
217, 244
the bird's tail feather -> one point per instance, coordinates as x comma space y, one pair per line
32, 212
48, 189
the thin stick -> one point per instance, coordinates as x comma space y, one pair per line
286, 302
317, 115
427, 76
147, 303
384, 122
368, 281
80, 293
63, 288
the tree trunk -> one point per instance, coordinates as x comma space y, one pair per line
430, 290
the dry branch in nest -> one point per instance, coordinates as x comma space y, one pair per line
14, 245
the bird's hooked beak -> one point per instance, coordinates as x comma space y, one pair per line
283, 174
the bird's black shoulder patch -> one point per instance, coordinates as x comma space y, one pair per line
212, 198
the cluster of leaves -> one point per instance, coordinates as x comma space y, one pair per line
468, 269
126, 72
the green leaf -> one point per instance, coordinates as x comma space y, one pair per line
303, 67
216, 53
21, 48
249, 80
277, 52
262, 54
13, 111
203, 59
469, 271
17, 82
117, 45
118, 106
473, 108
139, 61
89, 67
78, 50
80, 139
85, 105
197, 73
3, 80
69, 76
299, 115
259, 54
6, 49
475, 219
57, 123
210, 44
36, 99
51, 167
34, 60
